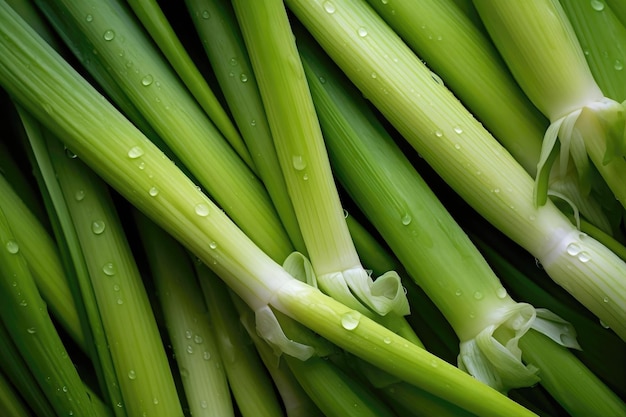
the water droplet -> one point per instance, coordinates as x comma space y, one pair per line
205, 14
202, 210
458, 130
109, 269
155, 401
597, 5
603, 324
135, 152
434, 363
406, 219
322, 80
457, 146
305, 177
605, 299
384, 1
386, 340
233, 62
97, 227
496, 190
116, 287
109, 35
501, 292
142, 165
329, 7
213, 245
203, 404
120, 301
298, 162
362, 32
188, 334
79, 195
350, 320
12, 247
64, 388
243, 78
206, 355
253, 123
458, 293
197, 339
69, 153
573, 249
478, 295
132, 374
618, 65
153, 191
438, 133
31, 330
189, 349
89, 18
23, 303
374, 75
147, 80
584, 257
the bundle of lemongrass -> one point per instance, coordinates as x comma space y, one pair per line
175, 188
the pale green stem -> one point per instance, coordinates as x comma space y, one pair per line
224, 46
304, 162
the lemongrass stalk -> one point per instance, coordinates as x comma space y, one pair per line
601, 349
190, 331
463, 153
304, 162
11, 404
294, 399
443, 35
25, 316
157, 92
16, 370
102, 137
602, 38
462, 54
569, 381
249, 381
539, 45
44, 261
144, 376
433, 248
153, 19
224, 46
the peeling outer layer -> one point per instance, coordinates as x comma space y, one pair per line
493, 356
356, 288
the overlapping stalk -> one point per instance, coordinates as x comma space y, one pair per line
115, 149
464, 154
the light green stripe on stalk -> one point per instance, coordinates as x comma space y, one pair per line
603, 39
224, 46
102, 137
464, 57
249, 381
25, 316
44, 262
539, 45
153, 19
158, 93
463, 153
304, 162
568, 380
190, 330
